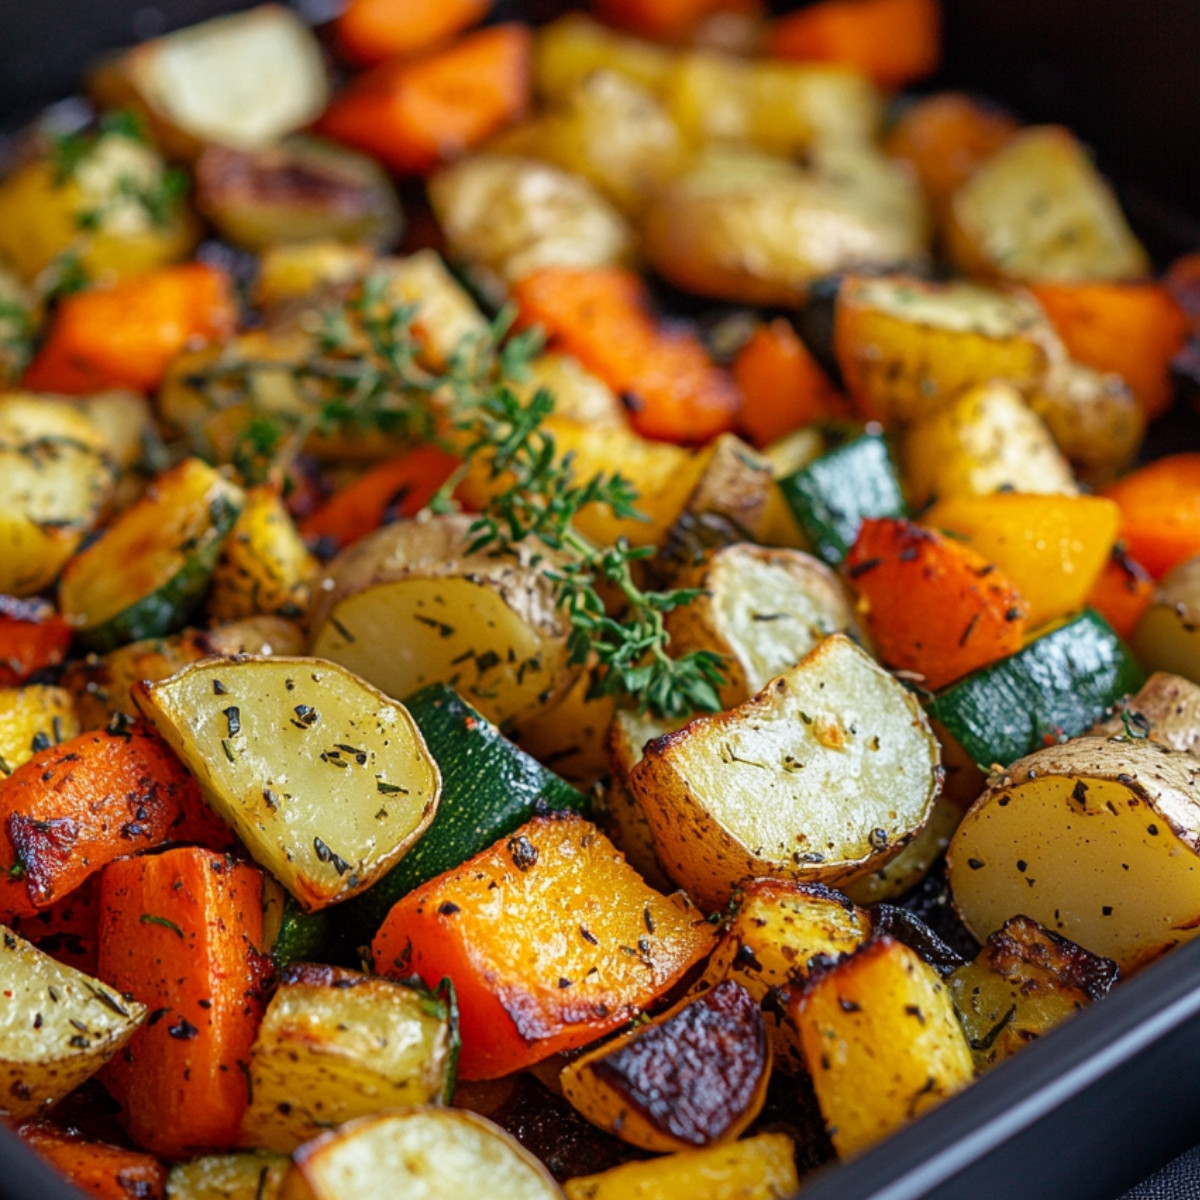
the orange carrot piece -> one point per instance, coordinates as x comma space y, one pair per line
125, 335
673, 390
933, 605
33, 636
76, 806
398, 488
67, 930
783, 388
667, 19
368, 31
1131, 329
1122, 593
180, 931
1160, 512
96, 1168
893, 41
946, 137
414, 114
538, 933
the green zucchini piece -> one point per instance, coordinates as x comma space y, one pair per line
289, 933
832, 496
152, 567
1058, 685
489, 788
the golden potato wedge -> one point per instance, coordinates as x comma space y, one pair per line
823, 776
1022, 983
326, 780
407, 606
757, 1168
776, 935
881, 1042
761, 609
244, 80
575, 47
229, 1177
430, 1153
578, 394
506, 216
335, 1045
907, 348
295, 270
31, 717
1166, 710
744, 226
265, 567
1096, 840
987, 440
694, 1077
58, 1027
56, 477
1038, 210
1167, 638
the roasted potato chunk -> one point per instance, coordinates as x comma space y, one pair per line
823, 776
1095, 839
228, 1177
32, 717
406, 606
778, 933
335, 1045
244, 81
881, 1042
1166, 710
58, 1027
299, 190
695, 1077
1022, 983
761, 609
326, 780
446, 1153
1167, 638
1037, 210
507, 216
748, 227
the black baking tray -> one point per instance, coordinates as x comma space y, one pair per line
1108, 1098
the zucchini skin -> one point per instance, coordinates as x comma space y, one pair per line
832, 496
168, 608
1058, 685
490, 787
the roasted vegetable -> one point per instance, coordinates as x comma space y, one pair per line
550, 938
228, 1177
326, 780
57, 1028
824, 775
1074, 844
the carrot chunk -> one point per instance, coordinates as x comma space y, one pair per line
180, 932
1122, 593
33, 636
414, 114
96, 1168
893, 41
368, 31
398, 488
1131, 329
1160, 512
125, 335
601, 315
933, 605
783, 387
76, 806
551, 939
67, 930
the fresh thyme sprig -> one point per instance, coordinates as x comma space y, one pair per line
368, 374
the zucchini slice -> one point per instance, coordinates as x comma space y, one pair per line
326, 780
152, 567
1058, 685
489, 787
832, 496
